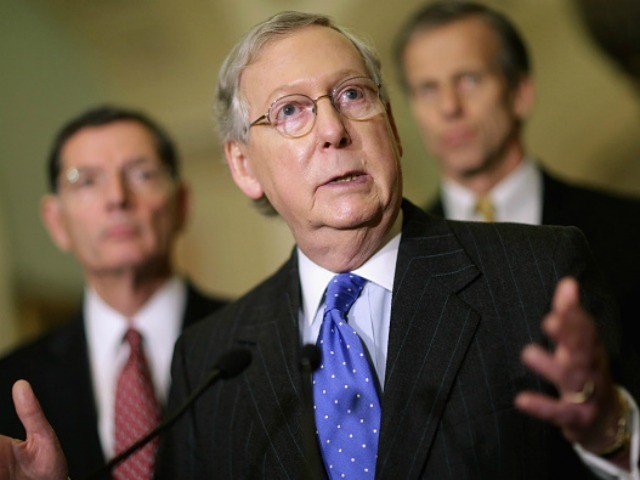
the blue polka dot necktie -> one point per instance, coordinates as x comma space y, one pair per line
347, 408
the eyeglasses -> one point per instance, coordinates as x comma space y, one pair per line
294, 115
140, 176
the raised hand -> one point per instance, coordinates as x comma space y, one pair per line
40, 456
588, 407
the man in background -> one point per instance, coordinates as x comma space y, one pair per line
117, 204
467, 74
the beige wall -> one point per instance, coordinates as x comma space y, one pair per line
61, 56
7, 306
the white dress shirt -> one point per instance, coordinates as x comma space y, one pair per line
159, 322
517, 198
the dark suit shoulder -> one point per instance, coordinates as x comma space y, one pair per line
200, 304
569, 203
256, 303
31, 356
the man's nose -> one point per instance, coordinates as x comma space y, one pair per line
116, 189
449, 101
330, 124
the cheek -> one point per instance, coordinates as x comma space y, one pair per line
164, 218
82, 226
429, 123
498, 125
287, 166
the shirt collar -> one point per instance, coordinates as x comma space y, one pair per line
158, 321
517, 197
379, 269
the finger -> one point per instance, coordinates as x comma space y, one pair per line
569, 324
565, 415
542, 362
29, 410
567, 295
555, 367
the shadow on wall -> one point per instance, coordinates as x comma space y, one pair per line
615, 28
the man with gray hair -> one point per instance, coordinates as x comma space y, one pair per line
422, 324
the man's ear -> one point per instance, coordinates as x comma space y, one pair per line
524, 97
394, 129
51, 214
183, 205
242, 170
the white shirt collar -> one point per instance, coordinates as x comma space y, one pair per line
159, 321
517, 198
379, 269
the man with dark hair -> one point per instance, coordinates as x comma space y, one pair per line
423, 324
117, 204
467, 75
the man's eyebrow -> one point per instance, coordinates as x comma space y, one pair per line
296, 87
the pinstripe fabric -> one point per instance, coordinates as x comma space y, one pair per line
466, 298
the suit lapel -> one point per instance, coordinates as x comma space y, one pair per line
274, 380
73, 399
431, 329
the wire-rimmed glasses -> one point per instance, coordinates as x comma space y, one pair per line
294, 115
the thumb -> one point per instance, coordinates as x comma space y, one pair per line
29, 410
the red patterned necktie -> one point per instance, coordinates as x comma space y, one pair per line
136, 412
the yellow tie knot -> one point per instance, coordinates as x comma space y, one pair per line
484, 206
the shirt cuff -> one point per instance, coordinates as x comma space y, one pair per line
604, 468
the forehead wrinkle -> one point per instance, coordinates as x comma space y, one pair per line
312, 88
277, 52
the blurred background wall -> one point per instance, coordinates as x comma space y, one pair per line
60, 57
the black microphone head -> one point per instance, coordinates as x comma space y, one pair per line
310, 355
234, 362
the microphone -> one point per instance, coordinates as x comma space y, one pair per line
228, 366
309, 362
309, 358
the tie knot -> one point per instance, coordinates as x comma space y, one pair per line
484, 206
134, 338
343, 290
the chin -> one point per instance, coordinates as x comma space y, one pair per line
356, 216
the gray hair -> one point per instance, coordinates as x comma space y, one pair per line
231, 110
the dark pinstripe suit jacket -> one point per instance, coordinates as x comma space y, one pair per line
466, 298
611, 224
57, 365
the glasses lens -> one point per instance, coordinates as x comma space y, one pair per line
292, 115
357, 98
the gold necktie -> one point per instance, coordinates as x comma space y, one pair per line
484, 207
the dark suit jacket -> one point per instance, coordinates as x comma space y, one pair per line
611, 224
57, 366
466, 298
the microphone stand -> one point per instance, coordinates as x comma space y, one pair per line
229, 365
309, 361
